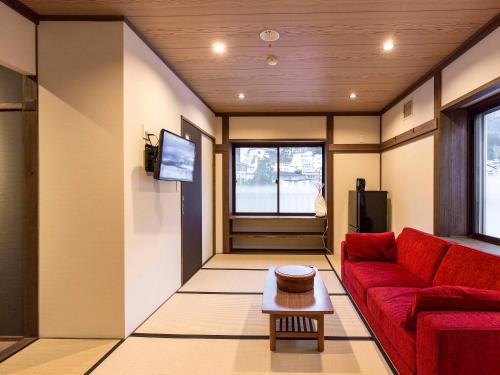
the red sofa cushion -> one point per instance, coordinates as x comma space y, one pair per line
388, 306
371, 247
365, 275
420, 253
465, 266
451, 298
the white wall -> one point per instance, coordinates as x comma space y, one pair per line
17, 41
277, 127
408, 176
393, 122
208, 205
356, 129
408, 170
218, 204
110, 236
346, 169
476, 67
155, 97
81, 285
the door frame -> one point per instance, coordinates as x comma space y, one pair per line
30, 224
212, 139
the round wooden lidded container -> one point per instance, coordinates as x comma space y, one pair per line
295, 279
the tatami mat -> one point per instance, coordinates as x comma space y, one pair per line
264, 261
237, 281
335, 261
57, 356
238, 315
157, 356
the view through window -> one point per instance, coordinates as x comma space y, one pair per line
487, 146
279, 179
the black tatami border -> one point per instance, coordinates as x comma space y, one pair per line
372, 336
238, 293
103, 358
242, 337
251, 269
370, 331
210, 292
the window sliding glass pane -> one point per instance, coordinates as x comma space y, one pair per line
301, 169
491, 185
256, 173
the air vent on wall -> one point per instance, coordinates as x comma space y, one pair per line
408, 109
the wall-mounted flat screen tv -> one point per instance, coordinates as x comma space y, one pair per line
175, 159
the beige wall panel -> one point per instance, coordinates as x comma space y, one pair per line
346, 169
218, 204
474, 68
17, 41
356, 129
81, 282
154, 98
393, 122
277, 127
218, 130
408, 176
207, 189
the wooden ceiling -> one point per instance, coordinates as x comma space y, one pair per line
327, 48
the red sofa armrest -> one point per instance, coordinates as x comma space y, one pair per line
458, 343
343, 257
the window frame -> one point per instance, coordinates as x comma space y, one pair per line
480, 108
277, 145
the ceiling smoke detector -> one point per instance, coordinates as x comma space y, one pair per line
269, 36
272, 60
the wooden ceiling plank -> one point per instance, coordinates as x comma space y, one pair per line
175, 8
327, 49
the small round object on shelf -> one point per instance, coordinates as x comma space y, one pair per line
295, 278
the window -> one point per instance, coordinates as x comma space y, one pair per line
487, 173
277, 179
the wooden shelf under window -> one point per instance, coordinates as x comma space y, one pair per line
11, 106
277, 234
274, 217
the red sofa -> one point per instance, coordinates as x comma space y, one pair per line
444, 342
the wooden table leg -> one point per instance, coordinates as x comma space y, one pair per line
321, 333
272, 332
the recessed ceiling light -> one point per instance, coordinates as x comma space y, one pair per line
353, 95
272, 60
219, 47
241, 96
388, 45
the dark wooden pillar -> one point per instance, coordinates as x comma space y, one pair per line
30, 192
329, 180
437, 115
453, 178
226, 187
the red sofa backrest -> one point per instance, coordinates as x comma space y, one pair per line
420, 253
465, 266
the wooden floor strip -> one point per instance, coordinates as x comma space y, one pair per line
15, 348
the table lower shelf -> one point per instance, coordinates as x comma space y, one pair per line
298, 327
296, 324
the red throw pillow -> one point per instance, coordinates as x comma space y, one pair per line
451, 298
371, 247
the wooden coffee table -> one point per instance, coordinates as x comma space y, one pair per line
296, 315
